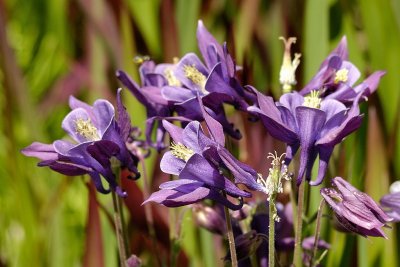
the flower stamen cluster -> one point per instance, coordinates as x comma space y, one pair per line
193, 74
181, 151
341, 75
312, 100
86, 129
171, 78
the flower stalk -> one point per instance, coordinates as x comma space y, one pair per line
272, 186
231, 238
119, 224
299, 226
317, 233
271, 235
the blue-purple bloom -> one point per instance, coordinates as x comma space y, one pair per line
203, 166
169, 88
356, 211
98, 137
336, 77
313, 124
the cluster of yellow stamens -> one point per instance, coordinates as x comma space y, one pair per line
312, 100
86, 129
171, 78
193, 74
341, 75
181, 151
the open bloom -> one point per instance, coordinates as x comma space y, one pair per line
356, 211
98, 137
313, 124
203, 166
173, 88
336, 77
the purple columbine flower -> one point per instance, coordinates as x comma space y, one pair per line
391, 202
202, 165
98, 136
336, 77
316, 125
356, 211
215, 82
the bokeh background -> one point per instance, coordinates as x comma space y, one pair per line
51, 49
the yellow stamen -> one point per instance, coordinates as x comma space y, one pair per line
195, 76
171, 78
86, 129
287, 74
140, 59
341, 75
181, 151
312, 100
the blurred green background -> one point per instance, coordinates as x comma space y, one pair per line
51, 49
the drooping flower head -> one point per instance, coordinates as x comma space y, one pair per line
356, 211
310, 123
98, 136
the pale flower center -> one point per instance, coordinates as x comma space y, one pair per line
341, 75
86, 129
181, 151
195, 76
171, 78
312, 100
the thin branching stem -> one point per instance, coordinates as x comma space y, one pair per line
299, 226
119, 229
271, 234
317, 233
231, 238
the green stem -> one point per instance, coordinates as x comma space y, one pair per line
271, 234
147, 208
231, 238
119, 229
119, 223
297, 261
317, 232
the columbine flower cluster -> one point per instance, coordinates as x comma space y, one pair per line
192, 93
173, 88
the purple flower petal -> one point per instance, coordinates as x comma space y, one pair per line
171, 164
310, 122
200, 169
40, 151
208, 46
242, 173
